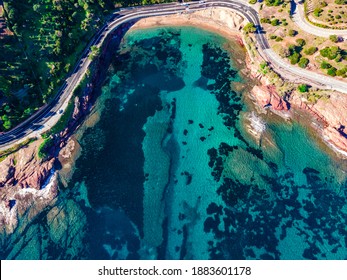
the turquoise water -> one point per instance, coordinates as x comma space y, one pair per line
171, 171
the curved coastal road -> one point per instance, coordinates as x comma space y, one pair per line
301, 21
45, 118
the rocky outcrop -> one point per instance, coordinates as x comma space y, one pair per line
336, 137
28, 184
25, 180
332, 113
266, 96
299, 103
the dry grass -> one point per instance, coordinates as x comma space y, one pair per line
331, 14
282, 31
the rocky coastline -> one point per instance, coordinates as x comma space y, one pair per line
27, 180
331, 114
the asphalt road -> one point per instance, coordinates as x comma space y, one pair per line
47, 116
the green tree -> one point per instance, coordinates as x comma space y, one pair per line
317, 12
265, 20
6, 122
311, 50
332, 71
275, 22
94, 52
301, 42
303, 88
341, 72
341, 2
273, 2
249, 28
294, 58
303, 62
334, 38
325, 65
292, 32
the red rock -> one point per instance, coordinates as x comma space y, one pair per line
278, 103
335, 137
262, 95
266, 95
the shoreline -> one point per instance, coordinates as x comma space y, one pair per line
193, 19
217, 20
214, 20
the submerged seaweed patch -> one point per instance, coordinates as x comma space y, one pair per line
209, 191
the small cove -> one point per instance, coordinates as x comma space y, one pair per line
170, 171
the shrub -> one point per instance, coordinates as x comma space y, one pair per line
334, 38
253, 1
279, 39
275, 22
331, 52
303, 62
273, 37
341, 72
341, 2
294, 58
265, 20
338, 58
310, 51
249, 28
292, 32
303, 88
44, 148
325, 65
332, 71
317, 12
273, 2
301, 42
263, 65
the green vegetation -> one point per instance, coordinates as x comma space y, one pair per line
273, 2
342, 72
325, 65
47, 38
264, 68
313, 96
301, 42
334, 38
265, 20
292, 32
332, 71
249, 28
310, 51
303, 88
275, 22
94, 52
331, 52
317, 12
303, 62
252, 2
294, 58
44, 148
341, 2
15, 148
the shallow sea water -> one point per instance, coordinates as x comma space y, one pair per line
171, 172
